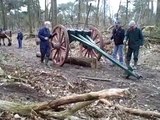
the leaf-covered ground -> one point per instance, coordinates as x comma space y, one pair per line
28, 80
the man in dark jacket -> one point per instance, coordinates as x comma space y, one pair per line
20, 38
44, 36
118, 35
134, 38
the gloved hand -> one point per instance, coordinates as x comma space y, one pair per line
46, 38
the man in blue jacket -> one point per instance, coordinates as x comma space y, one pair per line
118, 35
44, 36
20, 38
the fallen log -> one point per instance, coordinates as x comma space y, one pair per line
138, 112
83, 97
66, 113
27, 109
85, 62
133, 111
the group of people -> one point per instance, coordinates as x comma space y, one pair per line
133, 37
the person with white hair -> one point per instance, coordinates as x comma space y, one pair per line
44, 36
134, 38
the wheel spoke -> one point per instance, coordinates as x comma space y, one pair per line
63, 48
61, 37
55, 54
85, 54
94, 54
94, 37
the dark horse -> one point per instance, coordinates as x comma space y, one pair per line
6, 34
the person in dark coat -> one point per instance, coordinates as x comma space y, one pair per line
134, 37
44, 36
118, 35
20, 38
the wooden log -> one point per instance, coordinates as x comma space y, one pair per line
85, 62
133, 111
66, 113
95, 78
35, 108
138, 112
83, 97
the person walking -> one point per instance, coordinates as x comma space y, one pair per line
134, 39
118, 35
20, 38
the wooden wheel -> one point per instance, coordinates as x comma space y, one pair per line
97, 38
59, 45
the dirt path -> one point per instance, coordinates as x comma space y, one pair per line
55, 81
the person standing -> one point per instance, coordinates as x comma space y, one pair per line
44, 36
20, 38
118, 35
134, 38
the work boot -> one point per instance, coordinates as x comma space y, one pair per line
128, 63
46, 61
42, 59
135, 65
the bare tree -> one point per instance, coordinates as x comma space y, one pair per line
158, 13
4, 20
79, 11
29, 16
97, 13
54, 12
104, 13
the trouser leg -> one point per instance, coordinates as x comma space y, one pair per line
47, 55
115, 52
42, 54
120, 53
128, 56
135, 54
20, 43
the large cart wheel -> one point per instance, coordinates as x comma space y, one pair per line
96, 36
59, 45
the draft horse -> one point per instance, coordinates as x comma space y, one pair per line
6, 34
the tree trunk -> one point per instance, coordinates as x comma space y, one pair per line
4, 20
29, 9
126, 21
104, 13
158, 13
86, 20
97, 14
54, 12
79, 12
46, 10
152, 12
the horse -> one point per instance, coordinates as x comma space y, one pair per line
6, 34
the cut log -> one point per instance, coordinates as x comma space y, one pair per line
137, 112
86, 62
